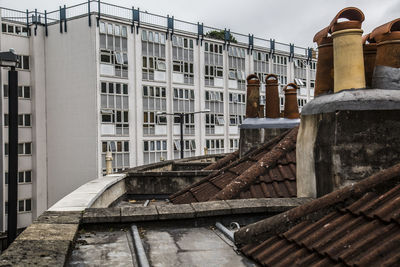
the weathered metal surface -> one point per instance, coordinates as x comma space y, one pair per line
271, 96
386, 77
253, 96
291, 107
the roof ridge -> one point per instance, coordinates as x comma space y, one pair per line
282, 222
274, 140
266, 162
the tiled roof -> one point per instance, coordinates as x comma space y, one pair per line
358, 225
266, 171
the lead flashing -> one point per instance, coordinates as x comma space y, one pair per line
354, 99
269, 123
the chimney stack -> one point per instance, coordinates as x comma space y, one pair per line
387, 65
256, 130
324, 75
291, 107
349, 135
272, 96
253, 96
348, 60
369, 50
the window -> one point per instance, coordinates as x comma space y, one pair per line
23, 91
154, 151
300, 71
23, 148
261, 65
24, 120
233, 144
153, 55
189, 148
23, 177
214, 101
236, 58
215, 146
279, 67
23, 62
114, 47
24, 205
183, 58
183, 102
154, 100
213, 61
115, 106
120, 154
14, 29
237, 108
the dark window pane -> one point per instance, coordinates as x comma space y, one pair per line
27, 92
5, 88
20, 120
21, 206
28, 176
6, 178
26, 62
20, 91
28, 148
20, 177
27, 120
3, 27
28, 205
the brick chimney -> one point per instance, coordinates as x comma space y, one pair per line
257, 130
348, 135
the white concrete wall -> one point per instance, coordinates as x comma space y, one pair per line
39, 134
71, 88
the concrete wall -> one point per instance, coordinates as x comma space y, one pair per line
71, 108
346, 137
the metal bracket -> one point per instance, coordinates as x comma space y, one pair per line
227, 39
272, 47
170, 26
251, 44
200, 33
89, 18
98, 13
135, 17
291, 48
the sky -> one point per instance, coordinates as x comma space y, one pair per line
283, 20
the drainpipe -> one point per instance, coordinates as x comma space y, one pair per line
348, 57
291, 107
253, 96
271, 96
109, 160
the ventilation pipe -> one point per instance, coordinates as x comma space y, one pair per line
253, 96
271, 96
291, 108
348, 57
387, 65
109, 160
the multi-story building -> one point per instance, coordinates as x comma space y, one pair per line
96, 77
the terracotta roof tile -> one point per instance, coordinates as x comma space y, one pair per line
270, 168
357, 225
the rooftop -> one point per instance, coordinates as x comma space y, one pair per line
268, 171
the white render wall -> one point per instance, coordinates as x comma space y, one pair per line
71, 103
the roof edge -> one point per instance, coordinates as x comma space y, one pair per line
316, 209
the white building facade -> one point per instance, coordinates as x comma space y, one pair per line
95, 77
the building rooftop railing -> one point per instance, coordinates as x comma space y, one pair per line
135, 16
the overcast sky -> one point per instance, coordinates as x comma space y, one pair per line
286, 21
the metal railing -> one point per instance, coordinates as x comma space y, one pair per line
103, 9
